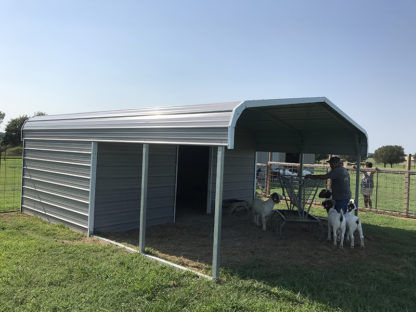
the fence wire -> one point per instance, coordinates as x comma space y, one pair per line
10, 183
394, 190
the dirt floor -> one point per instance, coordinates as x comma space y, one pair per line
188, 242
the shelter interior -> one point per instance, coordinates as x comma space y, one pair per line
192, 180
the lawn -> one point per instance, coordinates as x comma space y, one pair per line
46, 267
10, 183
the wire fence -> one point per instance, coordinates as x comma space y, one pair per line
394, 190
10, 182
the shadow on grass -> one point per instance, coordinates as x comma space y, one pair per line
380, 277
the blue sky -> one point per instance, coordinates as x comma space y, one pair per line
76, 56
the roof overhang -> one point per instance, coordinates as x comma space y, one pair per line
302, 125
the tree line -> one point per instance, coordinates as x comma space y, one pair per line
386, 155
12, 136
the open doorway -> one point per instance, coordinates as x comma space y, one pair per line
192, 180
292, 157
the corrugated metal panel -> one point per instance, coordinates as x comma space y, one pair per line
117, 205
56, 181
197, 136
150, 111
239, 171
58, 145
162, 180
201, 120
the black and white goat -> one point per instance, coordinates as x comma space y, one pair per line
353, 224
336, 220
263, 209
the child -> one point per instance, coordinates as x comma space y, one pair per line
367, 184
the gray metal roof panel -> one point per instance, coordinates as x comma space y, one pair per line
289, 120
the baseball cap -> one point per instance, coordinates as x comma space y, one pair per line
334, 160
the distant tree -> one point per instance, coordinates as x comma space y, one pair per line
13, 131
2, 115
39, 114
319, 157
351, 158
370, 155
389, 154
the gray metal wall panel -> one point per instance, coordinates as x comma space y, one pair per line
58, 168
62, 178
238, 175
55, 199
55, 219
56, 181
59, 145
48, 186
117, 190
117, 206
71, 157
162, 181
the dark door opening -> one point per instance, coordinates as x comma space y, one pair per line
192, 180
292, 157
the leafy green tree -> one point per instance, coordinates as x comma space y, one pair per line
13, 135
351, 158
39, 114
319, 157
389, 154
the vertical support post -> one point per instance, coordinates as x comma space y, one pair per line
407, 185
328, 181
357, 178
218, 213
255, 176
93, 180
269, 173
143, 198
300, 171
210, 178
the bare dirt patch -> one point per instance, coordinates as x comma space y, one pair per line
189, 242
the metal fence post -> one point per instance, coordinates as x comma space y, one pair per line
407, 185
376, 188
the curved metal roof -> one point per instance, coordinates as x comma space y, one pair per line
308, 125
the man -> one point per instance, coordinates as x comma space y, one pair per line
340, 183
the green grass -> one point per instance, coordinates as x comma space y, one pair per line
47, 267
10, 183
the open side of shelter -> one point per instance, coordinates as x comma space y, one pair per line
122, 170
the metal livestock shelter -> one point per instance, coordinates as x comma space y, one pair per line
125, 169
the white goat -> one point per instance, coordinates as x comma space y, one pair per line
336, 222
263, 209
353, 224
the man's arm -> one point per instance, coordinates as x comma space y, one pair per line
316, 176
